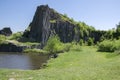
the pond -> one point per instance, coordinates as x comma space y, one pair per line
22, 61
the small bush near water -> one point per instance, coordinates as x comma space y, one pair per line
55, 46
109, 46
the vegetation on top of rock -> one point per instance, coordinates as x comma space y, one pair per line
15, 36
64, 17
52, 21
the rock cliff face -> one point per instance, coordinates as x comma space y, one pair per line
47, 22
65, 30
40, 26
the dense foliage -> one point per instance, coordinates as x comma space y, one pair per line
15, 36
54, 45
110, 41
109, 45
90, 41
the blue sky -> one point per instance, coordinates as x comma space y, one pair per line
102, 14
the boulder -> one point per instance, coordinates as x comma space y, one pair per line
10, 47
6, 31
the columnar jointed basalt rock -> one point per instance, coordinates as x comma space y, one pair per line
40, 26
46, 23
65, 30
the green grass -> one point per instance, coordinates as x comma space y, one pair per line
21, 43
35, 51
87, 64
52, 21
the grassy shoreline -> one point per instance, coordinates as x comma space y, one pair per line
87, 64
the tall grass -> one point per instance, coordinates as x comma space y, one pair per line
35, 51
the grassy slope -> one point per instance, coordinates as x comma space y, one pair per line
85, 65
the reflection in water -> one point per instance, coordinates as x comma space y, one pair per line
21, 61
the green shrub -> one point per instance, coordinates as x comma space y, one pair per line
81, 42
76, 48
15, 36
54, 45
117, 51
90, 42
67, 46
109, 45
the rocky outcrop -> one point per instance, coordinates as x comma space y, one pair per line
40, 26
64, 29
10, 47
47, 22
6, 31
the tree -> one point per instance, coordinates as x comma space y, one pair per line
118, 28
109, 34
118, 31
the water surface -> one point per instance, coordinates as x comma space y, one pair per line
22, 61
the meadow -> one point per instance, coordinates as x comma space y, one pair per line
84, 64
